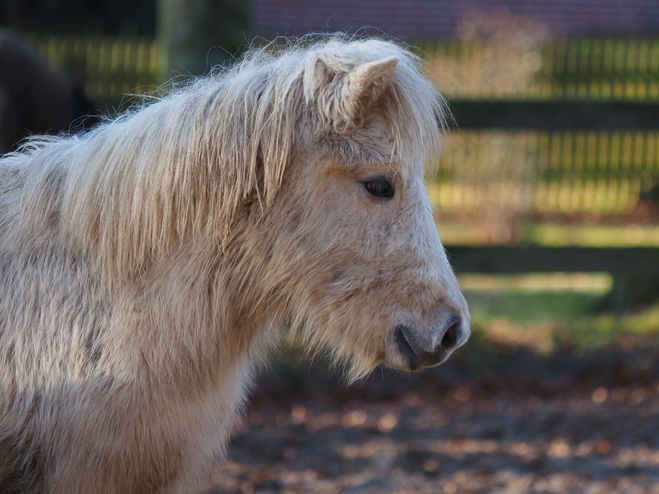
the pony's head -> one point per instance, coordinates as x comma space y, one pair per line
352, 243
305, 171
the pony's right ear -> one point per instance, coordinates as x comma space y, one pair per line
364, 86
345, 98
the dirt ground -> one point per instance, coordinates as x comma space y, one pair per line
568, 425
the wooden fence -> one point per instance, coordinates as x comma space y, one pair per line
610, 68
564, 171
107, 67
594, 68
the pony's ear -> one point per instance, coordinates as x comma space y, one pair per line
364, 86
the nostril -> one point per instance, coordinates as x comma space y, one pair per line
451, 335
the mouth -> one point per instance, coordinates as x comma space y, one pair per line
415, 356
406, 350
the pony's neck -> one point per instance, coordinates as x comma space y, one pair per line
208, 314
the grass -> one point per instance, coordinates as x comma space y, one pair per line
555, 235
593, 235
547, 312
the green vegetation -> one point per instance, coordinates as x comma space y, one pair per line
592, 235
548, 312
553, 234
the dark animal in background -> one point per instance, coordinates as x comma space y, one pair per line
36, 98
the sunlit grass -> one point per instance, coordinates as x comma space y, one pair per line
597, 284
593, 235
556, 235
547, 312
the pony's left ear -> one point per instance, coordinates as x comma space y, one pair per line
365, 85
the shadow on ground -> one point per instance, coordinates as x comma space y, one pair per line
495, 419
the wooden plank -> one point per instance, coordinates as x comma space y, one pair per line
534, 259
487, 114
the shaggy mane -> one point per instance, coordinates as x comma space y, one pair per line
133, 189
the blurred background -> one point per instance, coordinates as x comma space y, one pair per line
547, 198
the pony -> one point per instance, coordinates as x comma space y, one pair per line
35, 97
149, 266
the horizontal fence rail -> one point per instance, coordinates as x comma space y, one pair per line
523, 259
553, 115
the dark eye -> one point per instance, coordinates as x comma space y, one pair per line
379, 187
